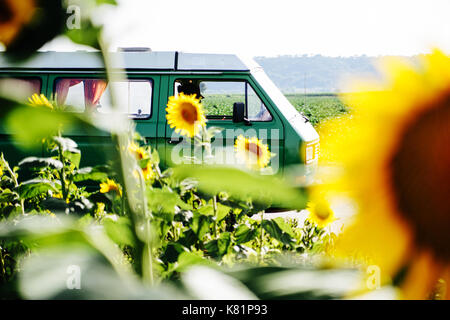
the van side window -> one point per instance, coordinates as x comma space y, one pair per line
20, 88
256, 109
93, 95
218, 97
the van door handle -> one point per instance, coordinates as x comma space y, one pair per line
174, 141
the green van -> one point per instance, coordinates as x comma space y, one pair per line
236, 94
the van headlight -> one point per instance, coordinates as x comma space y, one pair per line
310, 152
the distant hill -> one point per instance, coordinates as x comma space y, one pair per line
317, 73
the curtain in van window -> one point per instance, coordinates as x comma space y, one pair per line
19, 88
93, 90
34, 85
62, 89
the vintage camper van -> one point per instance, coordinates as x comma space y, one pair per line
236, 94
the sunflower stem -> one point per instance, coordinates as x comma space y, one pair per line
215, 214
262, 236
16, 183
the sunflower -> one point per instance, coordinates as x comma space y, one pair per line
148, 172
253, 152
37, 100
186, 114
396, 160
137, 151
14, 15
320, 212
110, 185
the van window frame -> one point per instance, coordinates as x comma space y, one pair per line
97, 77
226, 117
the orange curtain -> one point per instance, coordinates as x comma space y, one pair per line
62, 89
93, 90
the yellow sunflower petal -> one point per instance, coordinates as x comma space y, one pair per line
185, 114
395, 164
422, 277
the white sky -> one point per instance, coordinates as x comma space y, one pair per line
269, 28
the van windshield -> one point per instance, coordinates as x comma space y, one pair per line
274, 93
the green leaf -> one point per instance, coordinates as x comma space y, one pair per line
205, 283
241, 185
245, 234
66, 144
162, 202
143, 163
87, 35
55, 273
219, 247
172, 252
73, 157
200, 225
99, 173
35, 187
187, 259
8, 196
188, 238
120, 231
222, 211
300, 283
207, 210
34, 162
29, 126
155, 157
279, 229
111, 2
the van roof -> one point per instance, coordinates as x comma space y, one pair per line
156, 60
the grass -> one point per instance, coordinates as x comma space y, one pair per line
317, 107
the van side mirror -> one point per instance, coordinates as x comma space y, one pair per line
239, 113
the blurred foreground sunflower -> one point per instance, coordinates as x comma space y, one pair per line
185, 113
396, 160
14, 15
253, 152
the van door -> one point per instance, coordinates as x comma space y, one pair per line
219, 93
25, 85
91, 93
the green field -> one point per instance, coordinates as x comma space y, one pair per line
317, 107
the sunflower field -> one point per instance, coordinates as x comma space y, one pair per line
129, 229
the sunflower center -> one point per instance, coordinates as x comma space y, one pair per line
189, 113
322, 211
253, 148
420, 173
6, 13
